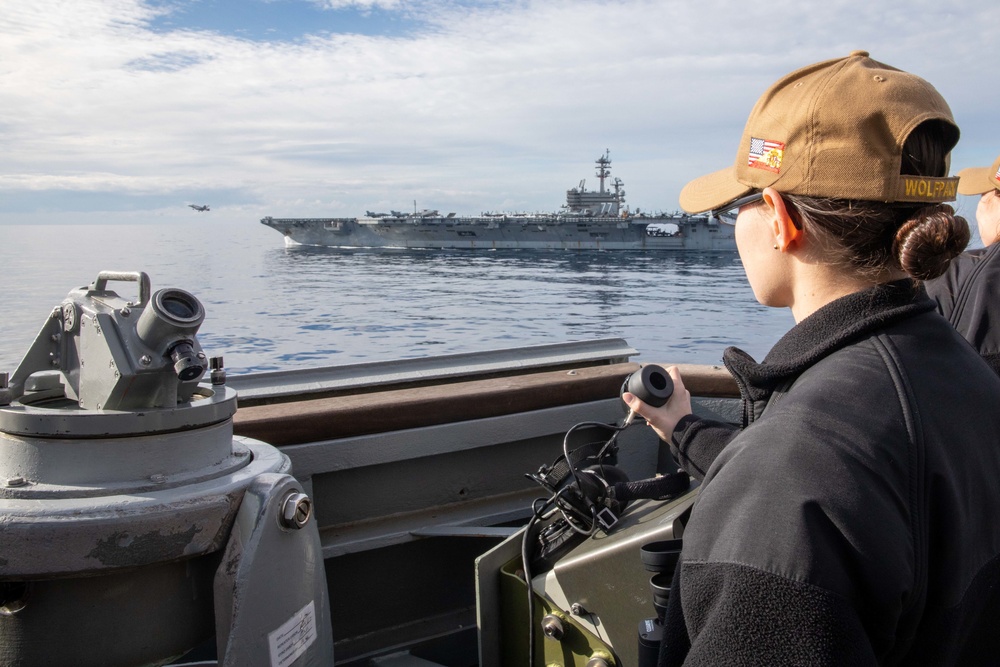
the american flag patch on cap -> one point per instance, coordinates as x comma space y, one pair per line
766, 154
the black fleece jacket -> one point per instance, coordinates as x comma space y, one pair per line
852, 521
968, 294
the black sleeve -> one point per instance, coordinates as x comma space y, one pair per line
696, 442
739, 615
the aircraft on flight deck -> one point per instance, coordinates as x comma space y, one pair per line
200, 208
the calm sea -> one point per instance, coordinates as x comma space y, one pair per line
270, 307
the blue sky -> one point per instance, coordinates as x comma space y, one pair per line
128, 110
286, 20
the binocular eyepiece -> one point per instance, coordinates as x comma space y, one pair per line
169, 324
187, 365
651, 383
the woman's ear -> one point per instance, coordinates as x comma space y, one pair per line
786, 233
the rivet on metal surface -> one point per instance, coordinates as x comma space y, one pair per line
296, 510
157, 478
16, 481
577, 609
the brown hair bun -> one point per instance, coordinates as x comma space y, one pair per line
927, 242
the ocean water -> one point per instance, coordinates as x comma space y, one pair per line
271, 307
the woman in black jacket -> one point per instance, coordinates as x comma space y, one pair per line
851, 521
968, 293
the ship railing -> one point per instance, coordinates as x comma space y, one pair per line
301, 384
417, 466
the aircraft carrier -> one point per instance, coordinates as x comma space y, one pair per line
589, 220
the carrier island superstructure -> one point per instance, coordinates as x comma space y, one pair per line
589, 220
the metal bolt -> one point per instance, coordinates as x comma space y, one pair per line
552, 627
157, 478
145, 360
577, 609
296, 510
218, 370
126, 311
16, 481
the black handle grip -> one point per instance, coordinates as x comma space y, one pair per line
651, 383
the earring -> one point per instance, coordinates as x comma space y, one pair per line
775, 246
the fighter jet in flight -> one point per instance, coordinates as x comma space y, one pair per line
200, 208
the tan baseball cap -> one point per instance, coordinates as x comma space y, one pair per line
833, 129
979, 180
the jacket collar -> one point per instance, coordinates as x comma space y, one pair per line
830, 328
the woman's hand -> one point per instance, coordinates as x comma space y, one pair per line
663, 419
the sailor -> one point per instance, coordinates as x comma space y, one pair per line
968, 293
851, 521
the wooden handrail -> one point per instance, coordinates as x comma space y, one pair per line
381, 411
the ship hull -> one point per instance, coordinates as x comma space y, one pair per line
698, 233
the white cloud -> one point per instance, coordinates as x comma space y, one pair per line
491, 105
359, 4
